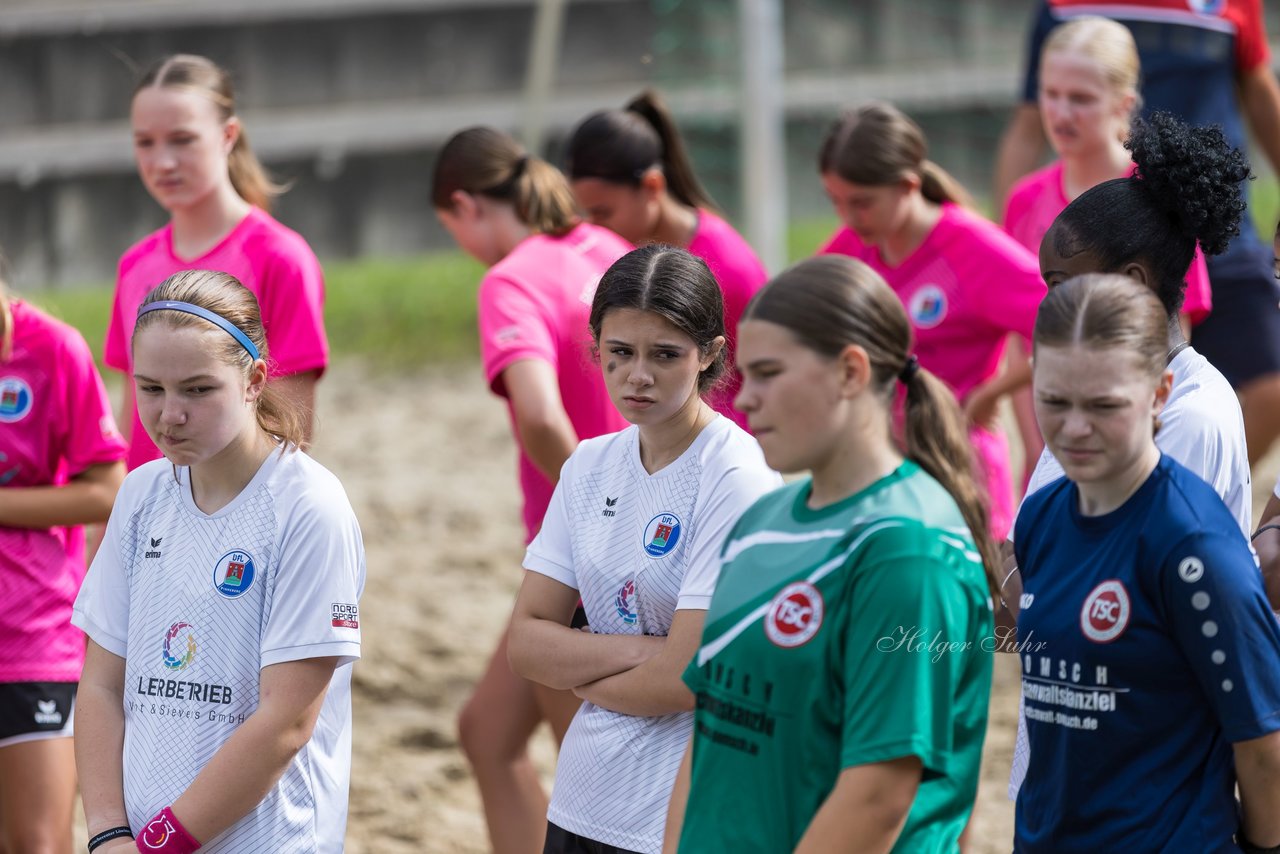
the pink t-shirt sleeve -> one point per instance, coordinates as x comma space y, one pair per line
292, 297
92, 437
115, 351
1199, 298
1012, 289
843, 242
513, 326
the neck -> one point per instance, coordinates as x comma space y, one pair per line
854, 466
199, 228
1176, 338
1101, 497
1082, 172
662, 444
676, 224
922, 216
218, 480
511, 232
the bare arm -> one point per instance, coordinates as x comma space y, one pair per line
543, 649
867, 809
1267, 545
85, 499
542, 426
981, 403
300, 391
99, 742
679, 800
654, 687
1006, 616
252, 760
124, 417
1260, 97
1258, 775
1021, 147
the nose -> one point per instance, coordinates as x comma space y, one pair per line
1076, 424
639, 374
172, 412
746, 400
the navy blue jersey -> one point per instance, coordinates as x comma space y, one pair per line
1148, 648
1192, 52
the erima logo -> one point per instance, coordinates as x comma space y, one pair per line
47, 713
155, 547
608, 503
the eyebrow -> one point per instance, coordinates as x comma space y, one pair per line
200, 378
758, 363
660, 345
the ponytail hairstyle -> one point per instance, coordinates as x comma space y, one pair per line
197, 74
677, 286
877, 144
1106, 311
832, 301
222, 294
486, 162
1107, 44
620, 146
1187, 190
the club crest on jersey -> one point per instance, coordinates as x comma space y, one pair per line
1207, 7
625, 602
928, 306
233, 573
794, 615
661, 534
177, 653
1105, 614
15, 399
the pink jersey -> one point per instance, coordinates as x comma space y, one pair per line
55, 422
1036, 201
966, 287
740, 274
269, 259
534, 304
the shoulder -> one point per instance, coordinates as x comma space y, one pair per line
597, 451
1203, 413
143, 484
1186, 503
303, 488
46, 333
844, 242
267, 240
1029, 188
964, 228
596, 242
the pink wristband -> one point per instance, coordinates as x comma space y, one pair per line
165, 834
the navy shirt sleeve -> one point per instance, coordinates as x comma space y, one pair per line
1211, 593
1044, 22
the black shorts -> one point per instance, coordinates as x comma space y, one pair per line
579, 617
34, 710
561, 841
1241, 336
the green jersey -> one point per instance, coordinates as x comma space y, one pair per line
853, 634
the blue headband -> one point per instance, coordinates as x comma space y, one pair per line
216, 319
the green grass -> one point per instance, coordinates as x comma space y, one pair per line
402, 313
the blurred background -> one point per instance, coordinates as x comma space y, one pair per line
349, 99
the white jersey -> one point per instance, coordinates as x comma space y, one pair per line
1202, 428
197, 604
638, 547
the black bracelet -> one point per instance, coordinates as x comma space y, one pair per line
1248, 847
108, 835
1274, 526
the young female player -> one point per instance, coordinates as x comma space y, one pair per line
61, 462
515, 214
221, 608
966, 284
635, 529
194, 159
1155, 693
1186, 192
842, 681
1088, 96
631, 173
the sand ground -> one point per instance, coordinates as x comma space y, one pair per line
429, 465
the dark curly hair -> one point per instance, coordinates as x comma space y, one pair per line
1187, 189
673, 283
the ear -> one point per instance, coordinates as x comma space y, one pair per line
1138, 273
911, 182
712, 353
463, 204
231, 129
257, 381
653, 183
855, 367
1163, 390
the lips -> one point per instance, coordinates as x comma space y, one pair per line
638, 402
